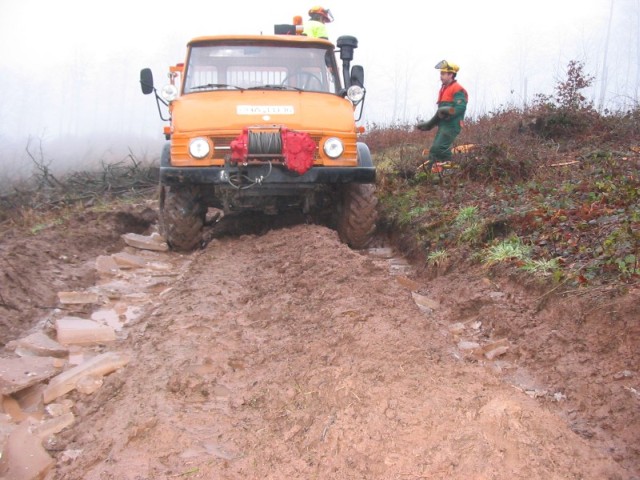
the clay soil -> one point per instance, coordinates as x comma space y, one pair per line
280, 353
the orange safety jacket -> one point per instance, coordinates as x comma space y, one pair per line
447, 92
453, 95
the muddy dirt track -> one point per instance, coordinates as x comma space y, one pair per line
283, 354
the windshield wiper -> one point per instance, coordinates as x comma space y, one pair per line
215, 85
275, 87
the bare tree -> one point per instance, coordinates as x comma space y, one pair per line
603, 76
45, 178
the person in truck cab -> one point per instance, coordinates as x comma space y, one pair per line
315, 26
452, 105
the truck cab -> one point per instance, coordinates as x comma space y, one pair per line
264, 123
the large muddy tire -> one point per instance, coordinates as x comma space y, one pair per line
182, 216
357, 214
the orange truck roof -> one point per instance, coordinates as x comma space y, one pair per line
261, 38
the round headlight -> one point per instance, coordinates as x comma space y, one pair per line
169, 92
355, 93
333, 147
199, 148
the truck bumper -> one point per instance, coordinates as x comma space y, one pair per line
275, 176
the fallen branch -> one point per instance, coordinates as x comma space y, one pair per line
564, 163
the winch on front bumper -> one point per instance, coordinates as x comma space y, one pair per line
270, 170
294, 150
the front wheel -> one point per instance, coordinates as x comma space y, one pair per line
357, 214
182, 215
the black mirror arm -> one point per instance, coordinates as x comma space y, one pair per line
166, 104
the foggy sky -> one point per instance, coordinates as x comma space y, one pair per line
70, 69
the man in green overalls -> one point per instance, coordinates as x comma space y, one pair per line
452, 104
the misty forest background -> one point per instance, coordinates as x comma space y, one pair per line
89, 110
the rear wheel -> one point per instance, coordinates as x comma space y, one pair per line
182, 216
357, 215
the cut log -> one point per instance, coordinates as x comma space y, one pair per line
153, 242
53, 425
80, 331
78, 298
23, 457
19, 373
101, 365
39, 344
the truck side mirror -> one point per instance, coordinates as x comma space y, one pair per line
357, 75
146, 81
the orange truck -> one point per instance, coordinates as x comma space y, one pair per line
264, 123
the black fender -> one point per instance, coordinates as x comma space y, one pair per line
364, 155
165, 157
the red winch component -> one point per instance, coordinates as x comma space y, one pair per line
295, 149
298, 149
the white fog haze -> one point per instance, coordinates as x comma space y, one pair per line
69, 70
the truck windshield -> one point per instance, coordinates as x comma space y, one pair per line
226, 67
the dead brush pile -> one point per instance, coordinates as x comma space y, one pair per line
45, 192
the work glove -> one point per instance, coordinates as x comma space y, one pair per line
445, 112
424, 126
